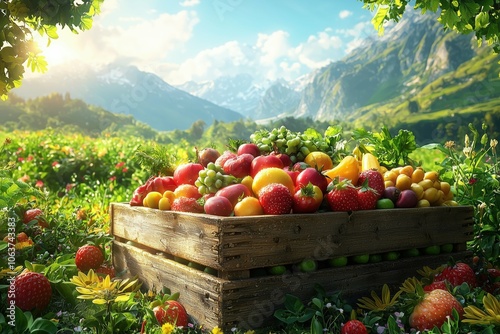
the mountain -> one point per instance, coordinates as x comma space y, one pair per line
239, 92
127, 90
416, 68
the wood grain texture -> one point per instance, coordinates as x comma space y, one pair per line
243, 243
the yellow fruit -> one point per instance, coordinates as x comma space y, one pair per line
248, 206
152, 199
448, 196
397, 170
417, 175
319, 160
423, 203
369, 161
445, 187
406, 170
418, 190
164, 204
382, 170
437, 185
431, 194
347, 168
388, 184
403, 182
170, 195
272, 175
247, 182
449, 203
431, 175
391, 176
426, 184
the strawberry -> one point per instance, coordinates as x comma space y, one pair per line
367, 197
457, 274
33, 292
436, 285
375, 181
187, 204
343, 197
89, 257
276, 199
433, 310
35, 214
105, 270
354, 326
172, 312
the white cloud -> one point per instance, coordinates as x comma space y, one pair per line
345, 14
190, 3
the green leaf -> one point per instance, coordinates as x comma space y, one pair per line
51, 31
21, 320
449, 18
43, 326
468, 9
482, 20
379, 18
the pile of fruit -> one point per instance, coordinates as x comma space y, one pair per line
286, 173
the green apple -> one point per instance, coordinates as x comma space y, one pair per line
375, 258
432, 250
195, 265
391, 256
412, 252
447, 248
308, 265
338, 261
210, 271
361, 259
277, 270
180, 260
385, 203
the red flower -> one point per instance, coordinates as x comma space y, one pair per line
39, 184
472, 180
120, 164
124, 170
112, 178
56, 164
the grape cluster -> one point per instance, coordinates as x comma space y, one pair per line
295, 144
212, 178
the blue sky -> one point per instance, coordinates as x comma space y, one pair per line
201, 40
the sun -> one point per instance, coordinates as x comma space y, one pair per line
55, 53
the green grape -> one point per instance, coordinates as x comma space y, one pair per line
218, 184
208, 181
203, 190
211, 173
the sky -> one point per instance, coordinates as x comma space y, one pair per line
201, 40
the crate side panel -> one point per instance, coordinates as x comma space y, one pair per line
199, 292
193, 237
251, 303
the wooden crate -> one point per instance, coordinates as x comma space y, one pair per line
147, 240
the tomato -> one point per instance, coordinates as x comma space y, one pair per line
307, 199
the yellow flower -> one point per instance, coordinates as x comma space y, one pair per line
410, 285
217, 330
24, 244
167, 328
377, 303
8, 273
474, 315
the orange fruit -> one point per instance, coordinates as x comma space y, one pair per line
170, 195
348, 168
248, 206
187, 190
417, 175
272, 175
407, 170
319, 160
152, 199
403, 182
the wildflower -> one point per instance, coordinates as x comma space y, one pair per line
39, 184
467, 151
120, 164
493, 143
379, 303
167, 328
105, 291
56, 164
8, 141
24, 244
449, 144
217, 330
410, 285
474, 315
472, 181
8, 272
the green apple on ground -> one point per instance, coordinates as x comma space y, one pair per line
277, 270
446, 248
308, 265
361, 259
338, 261
432, 250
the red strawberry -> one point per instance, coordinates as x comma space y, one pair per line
434, 309
105, 270
375, 180
276, 199
172, 312
367, 197
35, 214
354, 327
89, 257
33, 292
187, 204
343, 197
457, 274
435, 285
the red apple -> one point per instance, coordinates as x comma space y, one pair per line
311, 174
249, 148
264, 161
285, 158
224, 157
218, 206
208, 155
239, 166
234, 192
187, 173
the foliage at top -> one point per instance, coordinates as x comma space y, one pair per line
20, 19
480, 16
